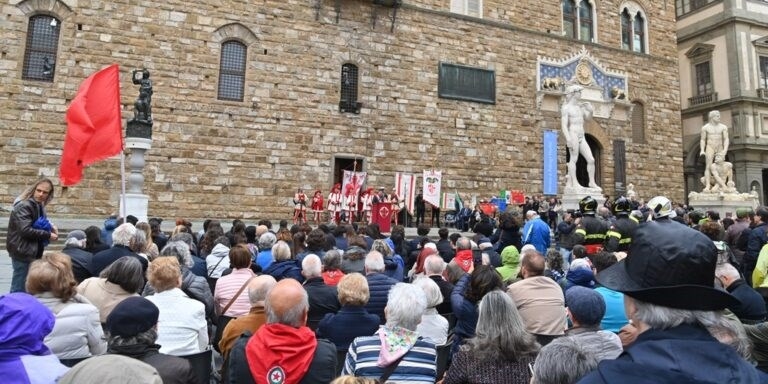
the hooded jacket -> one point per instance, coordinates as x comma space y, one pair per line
217, 261
510, 263
280, 353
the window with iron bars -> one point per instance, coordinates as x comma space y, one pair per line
41, 48
232, 71
349, 81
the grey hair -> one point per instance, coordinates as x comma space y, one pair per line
374, 262
731, 332
293, 317
728, 270
500, 332
332, 260
185, 237
179, 249
123, 234
139, 242
281, 251
659, 317
406, 305
73, 242
148, 337
126, 272
382, 247
434, 265
431, 291
563, 361
267, 240
259, 287
463, 243
311, 266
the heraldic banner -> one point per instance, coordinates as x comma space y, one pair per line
352, 185
405, 187
432, 181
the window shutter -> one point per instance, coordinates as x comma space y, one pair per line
474, 8
638, 123
457, 6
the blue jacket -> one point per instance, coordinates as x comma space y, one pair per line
536, 233
679, 355
379, 285
285, 269
394, 267
465, 312
344, 326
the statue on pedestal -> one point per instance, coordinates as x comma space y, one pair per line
714, 141
141, 124
721, 175
574, 113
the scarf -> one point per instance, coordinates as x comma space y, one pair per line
395, 343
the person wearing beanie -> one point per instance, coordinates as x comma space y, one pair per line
132, 332
580, 274
74, 247
585, 309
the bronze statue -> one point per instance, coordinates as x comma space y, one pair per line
143, 106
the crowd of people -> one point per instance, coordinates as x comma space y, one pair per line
645, 293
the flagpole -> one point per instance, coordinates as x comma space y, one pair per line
123, 207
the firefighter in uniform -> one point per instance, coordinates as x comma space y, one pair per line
619, 236
590, 231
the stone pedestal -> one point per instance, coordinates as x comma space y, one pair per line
724, 203
136, 203
572, 196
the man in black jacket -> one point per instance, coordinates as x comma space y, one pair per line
81, 259
132, 331
27, 233
323, 299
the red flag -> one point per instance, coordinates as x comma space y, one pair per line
94, 127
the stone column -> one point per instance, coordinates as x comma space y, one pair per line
138, 138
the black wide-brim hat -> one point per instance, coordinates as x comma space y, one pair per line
670, 265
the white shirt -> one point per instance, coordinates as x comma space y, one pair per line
433, 327
181, 327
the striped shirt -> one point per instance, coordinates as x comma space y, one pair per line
419, 365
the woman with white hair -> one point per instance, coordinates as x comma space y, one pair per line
433, 326
194, 286
501, 350
265, 258
397, 342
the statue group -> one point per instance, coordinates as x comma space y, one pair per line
718, 173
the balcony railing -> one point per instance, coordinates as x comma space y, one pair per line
762, 92
702, 99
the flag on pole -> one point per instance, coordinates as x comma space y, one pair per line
405, 187
458, 204
94, 128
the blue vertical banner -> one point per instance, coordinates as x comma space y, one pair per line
550, 163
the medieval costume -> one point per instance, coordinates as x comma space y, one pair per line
299, 207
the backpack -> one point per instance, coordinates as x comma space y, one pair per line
743, 239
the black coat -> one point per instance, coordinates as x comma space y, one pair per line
751, 305
323, 299
106, 257
445, 288
23, 242
445, 250
172, 369
81, 259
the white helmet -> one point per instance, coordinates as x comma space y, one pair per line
661, 207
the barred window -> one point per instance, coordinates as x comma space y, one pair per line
42, 48
232, 70
349, 81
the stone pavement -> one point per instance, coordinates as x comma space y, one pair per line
66, 224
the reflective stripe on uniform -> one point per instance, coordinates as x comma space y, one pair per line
614, 234
581, 231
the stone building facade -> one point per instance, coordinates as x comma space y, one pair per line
227, 159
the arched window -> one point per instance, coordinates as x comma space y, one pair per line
638, 123
634, 28
626, 30
232, 70
586, 32
639, 33
42, 48
569, 18
349, 81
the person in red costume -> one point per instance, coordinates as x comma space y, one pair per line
366, 197
317, 206
299, 207
334, 203
285, 350
351, 191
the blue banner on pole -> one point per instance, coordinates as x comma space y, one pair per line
550, 163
